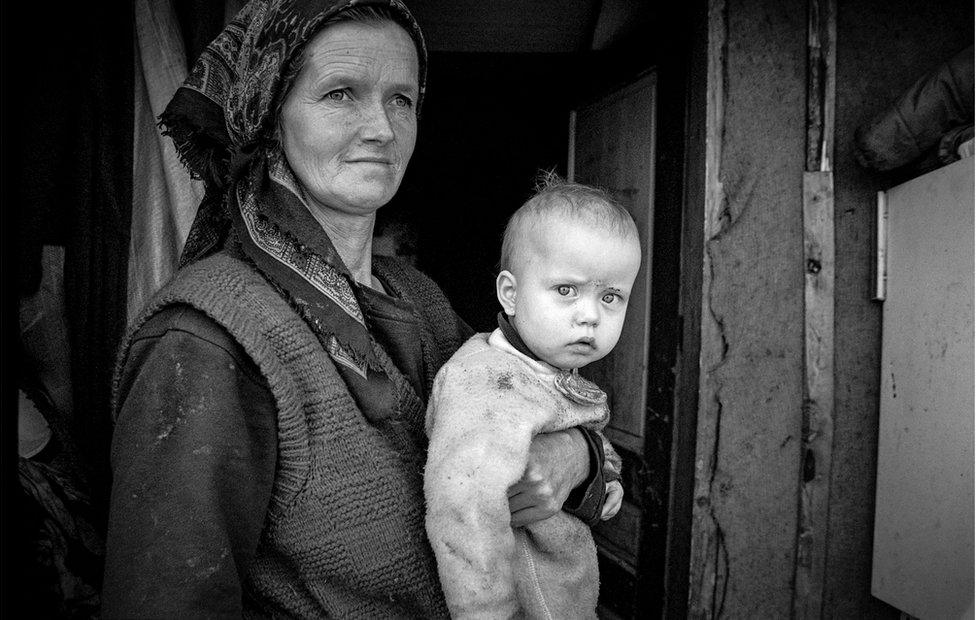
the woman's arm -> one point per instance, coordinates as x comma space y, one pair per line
558, 463
193, 458
565, 471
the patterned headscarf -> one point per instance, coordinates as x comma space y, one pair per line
223, 121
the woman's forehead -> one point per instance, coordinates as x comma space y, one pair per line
358, 46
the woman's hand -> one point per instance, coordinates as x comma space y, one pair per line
558, 462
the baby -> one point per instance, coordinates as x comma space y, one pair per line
569, 259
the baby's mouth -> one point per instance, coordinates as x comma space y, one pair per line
587, 341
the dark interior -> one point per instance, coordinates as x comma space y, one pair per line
500, 90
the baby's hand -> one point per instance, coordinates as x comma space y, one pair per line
614, 497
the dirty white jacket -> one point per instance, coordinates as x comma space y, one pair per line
487, 404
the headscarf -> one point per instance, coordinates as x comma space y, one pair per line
223, 120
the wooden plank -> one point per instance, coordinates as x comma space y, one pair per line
818, 242
707, 567
815, 75
818, 256
821, 83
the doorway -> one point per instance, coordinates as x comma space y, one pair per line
494, 116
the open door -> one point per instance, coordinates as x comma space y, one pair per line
923, 532
612, 146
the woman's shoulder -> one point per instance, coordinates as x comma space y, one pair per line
223, 267
180, 345
185, 320
215, 308
221, 288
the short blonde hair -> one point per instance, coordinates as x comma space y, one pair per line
558, 198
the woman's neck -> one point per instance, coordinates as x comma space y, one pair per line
352, 236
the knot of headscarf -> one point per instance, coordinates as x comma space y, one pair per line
222, 121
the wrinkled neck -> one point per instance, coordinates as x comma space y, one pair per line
352, 237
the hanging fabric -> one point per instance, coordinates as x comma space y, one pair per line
164, 198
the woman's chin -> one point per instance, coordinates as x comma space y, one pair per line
358, 202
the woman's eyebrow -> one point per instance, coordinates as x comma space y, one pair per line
334, 75
408, 87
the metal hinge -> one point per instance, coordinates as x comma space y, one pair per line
881, 248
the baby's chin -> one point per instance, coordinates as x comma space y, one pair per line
576, 363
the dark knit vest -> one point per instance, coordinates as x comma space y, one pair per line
344, 535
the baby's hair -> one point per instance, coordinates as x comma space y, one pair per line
559, 198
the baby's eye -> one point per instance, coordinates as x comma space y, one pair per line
402, 101
565, 289
610, 298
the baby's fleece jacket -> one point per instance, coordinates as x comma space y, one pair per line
487, 404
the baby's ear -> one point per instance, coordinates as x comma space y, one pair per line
505, 288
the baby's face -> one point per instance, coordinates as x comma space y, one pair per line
570, 291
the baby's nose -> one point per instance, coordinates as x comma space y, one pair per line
587, 313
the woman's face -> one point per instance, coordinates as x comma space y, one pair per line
349, 124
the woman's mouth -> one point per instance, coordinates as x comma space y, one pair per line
370, 160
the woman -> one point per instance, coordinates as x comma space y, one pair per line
268, 450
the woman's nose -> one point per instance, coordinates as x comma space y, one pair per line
376, 124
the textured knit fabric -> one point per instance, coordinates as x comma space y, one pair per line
487, 404
343, 534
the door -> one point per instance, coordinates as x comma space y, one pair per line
612, 146
923, 533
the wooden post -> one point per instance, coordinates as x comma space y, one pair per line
818, 255
708, 563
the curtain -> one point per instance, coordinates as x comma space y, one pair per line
164, 199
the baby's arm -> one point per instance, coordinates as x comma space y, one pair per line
479, 443
614, 497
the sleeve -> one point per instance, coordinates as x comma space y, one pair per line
193, 458
479, 445
586, 501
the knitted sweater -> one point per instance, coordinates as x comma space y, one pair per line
343, 535
488, 402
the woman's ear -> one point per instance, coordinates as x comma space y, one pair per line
505, 286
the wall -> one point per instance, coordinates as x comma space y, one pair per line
883, 46
744, 263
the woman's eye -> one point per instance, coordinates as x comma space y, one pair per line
564, 290
336, 95
402, 101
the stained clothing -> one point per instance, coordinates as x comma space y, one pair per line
193, 495
212, 514
208, 517
487, 404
